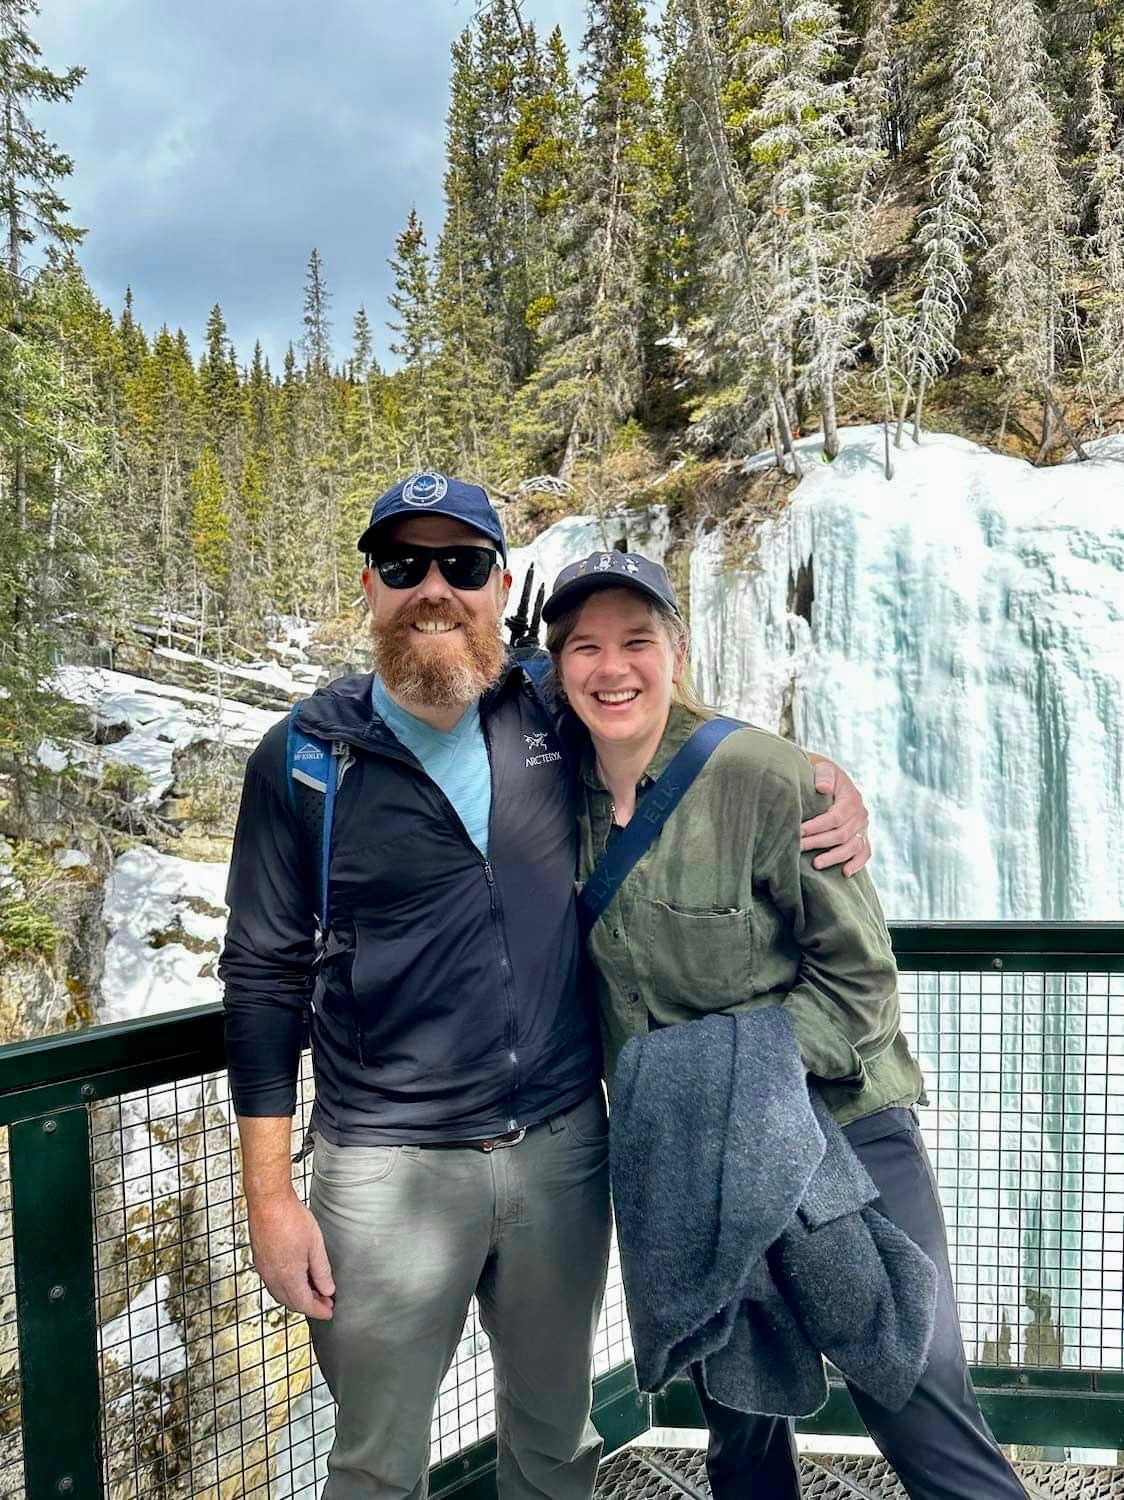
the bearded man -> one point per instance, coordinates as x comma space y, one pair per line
459, 1123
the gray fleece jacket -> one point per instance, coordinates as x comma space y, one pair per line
747, 1237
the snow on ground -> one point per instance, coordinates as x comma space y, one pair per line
1110, 448
150, 895
297, 680
160, 719
145, 1337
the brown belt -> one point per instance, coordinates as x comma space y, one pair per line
492, 1143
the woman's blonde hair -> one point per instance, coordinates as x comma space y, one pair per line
559, 631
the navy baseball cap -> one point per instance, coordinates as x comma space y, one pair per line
435, 495
609, 570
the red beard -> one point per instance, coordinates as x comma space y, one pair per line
416, 672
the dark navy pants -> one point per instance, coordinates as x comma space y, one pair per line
938, 1444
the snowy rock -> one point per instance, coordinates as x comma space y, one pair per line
166, 917
159, 719
71, 859
52, 756
145, 1337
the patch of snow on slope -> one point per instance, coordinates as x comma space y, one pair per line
145, 1337
160, 719
156, 895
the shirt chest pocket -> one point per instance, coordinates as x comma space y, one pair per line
699, 957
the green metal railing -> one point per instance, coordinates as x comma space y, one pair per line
140, 1356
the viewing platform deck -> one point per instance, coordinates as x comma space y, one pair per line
140, 1356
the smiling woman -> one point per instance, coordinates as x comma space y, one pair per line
720, 920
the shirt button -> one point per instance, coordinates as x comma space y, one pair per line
634, 996
616, 932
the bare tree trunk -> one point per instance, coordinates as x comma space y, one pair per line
830, 420
1003, 421
1047, 427
19, 458
1071, 437
917, 411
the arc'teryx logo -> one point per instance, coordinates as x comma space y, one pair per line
425, 489
538, 754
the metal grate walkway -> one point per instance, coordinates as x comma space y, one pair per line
680, 1474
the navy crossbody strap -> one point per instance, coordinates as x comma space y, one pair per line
653, 811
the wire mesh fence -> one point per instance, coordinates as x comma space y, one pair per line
11, 1444
207, 1386
1025, 1125
209, 1389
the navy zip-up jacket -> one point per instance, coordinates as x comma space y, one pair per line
450, 1001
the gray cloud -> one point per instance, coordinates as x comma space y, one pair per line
215, 143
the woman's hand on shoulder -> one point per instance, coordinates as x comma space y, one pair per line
841, 831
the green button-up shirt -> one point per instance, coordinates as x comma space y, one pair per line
724, 913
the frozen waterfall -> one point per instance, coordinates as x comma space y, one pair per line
955, 637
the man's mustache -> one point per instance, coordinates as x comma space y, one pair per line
431, 612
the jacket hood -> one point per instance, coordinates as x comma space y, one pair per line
342, 710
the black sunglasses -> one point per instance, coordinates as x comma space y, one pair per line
403, 565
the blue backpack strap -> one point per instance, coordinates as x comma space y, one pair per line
538, 666
315, 764
651, 814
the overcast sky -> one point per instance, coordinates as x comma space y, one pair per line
216, 141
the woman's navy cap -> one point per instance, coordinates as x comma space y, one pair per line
435, 495
609, 570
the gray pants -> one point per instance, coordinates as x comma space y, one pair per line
939, 1444
412, 1235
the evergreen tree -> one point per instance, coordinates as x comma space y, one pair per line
210, 526
362, 347
539, 174
317, 341
133, 341
811, 227
1028, 212
742, 339
675, 271
219, 389
591, 377
323, 447
469, 374
1105, 207
949, 229
414, 303
880, 120
36, 382
492, 80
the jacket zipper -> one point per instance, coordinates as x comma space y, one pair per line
506, 973
494, 906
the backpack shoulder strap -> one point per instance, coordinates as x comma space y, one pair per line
313, 769
537, 665
652, 813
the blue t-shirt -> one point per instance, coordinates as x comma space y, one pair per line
456, 759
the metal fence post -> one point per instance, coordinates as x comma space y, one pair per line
53, 1246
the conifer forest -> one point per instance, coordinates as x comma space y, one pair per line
676, 241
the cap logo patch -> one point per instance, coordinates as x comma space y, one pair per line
605, 565
425, 489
